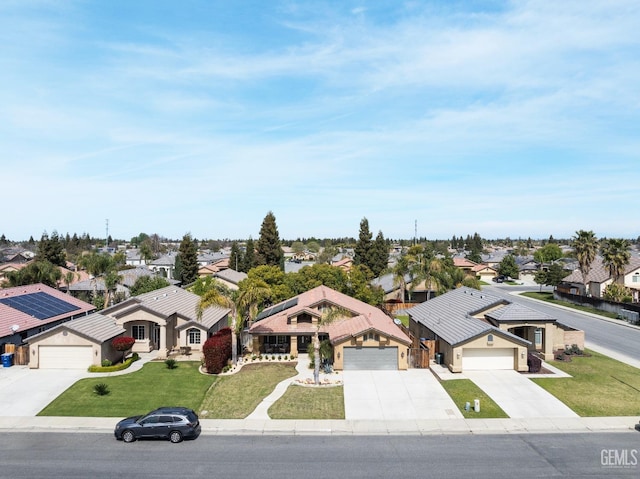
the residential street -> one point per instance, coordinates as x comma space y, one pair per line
616, 340
99, 455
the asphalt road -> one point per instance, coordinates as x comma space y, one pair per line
99, 455
613, 337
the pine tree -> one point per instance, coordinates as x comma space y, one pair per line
378, 255
363, 245
235, 259
249, 259
187, 261
50, 249
269, 251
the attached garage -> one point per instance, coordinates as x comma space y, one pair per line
370, 358
65, 357
76, 344
488, 358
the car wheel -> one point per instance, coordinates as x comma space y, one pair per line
128, 436
175, 437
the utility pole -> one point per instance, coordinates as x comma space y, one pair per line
106, 238
415, 234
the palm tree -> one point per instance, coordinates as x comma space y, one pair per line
328, 316
615, 256
251, 295
68, 278
111, 280
220, 295
400, 272
585, 247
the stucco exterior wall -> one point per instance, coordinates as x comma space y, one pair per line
453, 355
338, 350
62, 338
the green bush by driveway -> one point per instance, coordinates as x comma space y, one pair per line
599, 386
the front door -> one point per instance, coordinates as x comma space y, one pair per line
156, 336
303, 343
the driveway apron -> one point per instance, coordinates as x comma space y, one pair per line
25, 392
396, 395
518, 396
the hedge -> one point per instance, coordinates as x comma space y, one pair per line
217, 351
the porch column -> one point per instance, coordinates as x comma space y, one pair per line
548, 342
162, 350
293, 340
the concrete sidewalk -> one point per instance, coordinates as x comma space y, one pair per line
233, 427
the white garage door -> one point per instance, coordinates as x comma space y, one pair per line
65, 357
487, 358
370, 358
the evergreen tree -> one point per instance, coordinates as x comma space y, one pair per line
188, 258
378, 255
50, 249
249, 259
269, 250
508, 267
235, 259
363, 245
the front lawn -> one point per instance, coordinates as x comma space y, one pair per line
301, 402
465, 390
548, 297
237, 395
135, 393
600, 386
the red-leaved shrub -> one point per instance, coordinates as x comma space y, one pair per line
123, 343
217, 351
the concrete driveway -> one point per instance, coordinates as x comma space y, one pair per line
25, 392
518, 396
396, 395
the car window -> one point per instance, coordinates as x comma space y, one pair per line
165, 419
178, 419
192, 417
150, 420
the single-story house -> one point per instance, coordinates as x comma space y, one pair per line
28, 310
230, 277
365, 339
76, 344
599, 278
475, 330
166, 320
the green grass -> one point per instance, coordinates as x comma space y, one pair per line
548, 297
404, 318
134, 393
465, 390
236, 396
301, 402
599, 386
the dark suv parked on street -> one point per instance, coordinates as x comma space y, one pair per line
173, 423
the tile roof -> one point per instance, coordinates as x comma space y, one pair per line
231, 275
96, 326
168, 301
365, 317
10, 316
449, 316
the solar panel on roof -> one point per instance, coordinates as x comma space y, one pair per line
277, 308
39, 305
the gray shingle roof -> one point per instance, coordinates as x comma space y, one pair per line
449, 315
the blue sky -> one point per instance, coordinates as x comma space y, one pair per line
514, 119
